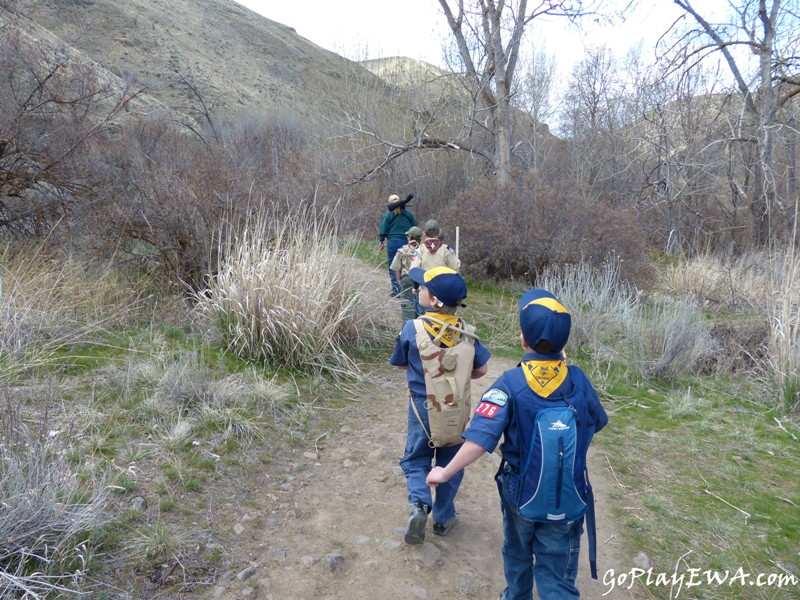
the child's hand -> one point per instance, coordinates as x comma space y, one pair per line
436, 476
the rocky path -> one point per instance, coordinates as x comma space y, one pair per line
330, 525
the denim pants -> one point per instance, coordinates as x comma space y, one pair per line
417, 462
392, 246
545, 553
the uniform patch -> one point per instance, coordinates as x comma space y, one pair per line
487, 409
495, 396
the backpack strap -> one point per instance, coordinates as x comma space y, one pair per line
467, 330
419, 418
591, 528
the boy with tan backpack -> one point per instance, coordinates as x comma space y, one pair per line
442, 354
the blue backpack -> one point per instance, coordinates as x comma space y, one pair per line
553, 482
548, 491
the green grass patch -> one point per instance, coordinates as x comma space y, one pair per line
708, 475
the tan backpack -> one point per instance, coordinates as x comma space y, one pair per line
448, 374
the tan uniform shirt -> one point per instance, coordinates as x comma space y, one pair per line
403, 258
443, 257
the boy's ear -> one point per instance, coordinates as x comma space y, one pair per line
524, 343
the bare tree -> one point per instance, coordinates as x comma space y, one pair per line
769, 32
537, 76
488, 35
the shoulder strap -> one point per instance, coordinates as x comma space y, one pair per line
468, 330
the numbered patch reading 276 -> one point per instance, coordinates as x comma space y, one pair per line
487, 409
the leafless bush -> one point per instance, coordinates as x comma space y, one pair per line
516, 231
53, 104
45, 512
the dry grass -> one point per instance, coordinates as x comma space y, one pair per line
783, 362
284, 295
600, 303
49, 303
716, 281
45, 513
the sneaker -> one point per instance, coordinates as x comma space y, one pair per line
417, 517
444, 528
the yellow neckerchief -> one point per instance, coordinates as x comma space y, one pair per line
450, 337
545, 376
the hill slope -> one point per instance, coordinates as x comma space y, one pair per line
236, 59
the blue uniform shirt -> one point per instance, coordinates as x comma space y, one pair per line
406, 354
496, 415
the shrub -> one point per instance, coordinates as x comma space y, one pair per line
45, 513
283, 294
515, 231
667, 339
599, 301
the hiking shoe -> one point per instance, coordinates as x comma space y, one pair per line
444, 528
417, 517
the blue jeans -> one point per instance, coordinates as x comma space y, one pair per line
416, 464
546, 553
392, 246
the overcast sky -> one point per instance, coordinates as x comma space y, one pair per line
414, 28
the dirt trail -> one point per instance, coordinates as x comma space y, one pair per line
331, 525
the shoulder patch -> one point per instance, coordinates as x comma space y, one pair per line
495, 396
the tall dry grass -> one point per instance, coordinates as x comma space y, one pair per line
740, 283
285, 295
783, 357
51, 302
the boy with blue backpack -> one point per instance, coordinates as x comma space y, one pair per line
546, 412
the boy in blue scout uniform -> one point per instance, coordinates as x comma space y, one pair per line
544, 552
441, 291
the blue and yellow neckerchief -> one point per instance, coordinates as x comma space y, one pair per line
544, 376
451, 335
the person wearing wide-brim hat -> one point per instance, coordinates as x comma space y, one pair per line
397, 220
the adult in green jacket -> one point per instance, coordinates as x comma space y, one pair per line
392, 234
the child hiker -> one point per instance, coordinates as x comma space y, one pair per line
547, 414
420, 347
401, 263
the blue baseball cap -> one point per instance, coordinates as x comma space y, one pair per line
443, 282
542, 317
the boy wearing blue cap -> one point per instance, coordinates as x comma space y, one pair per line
442, 290
543, 548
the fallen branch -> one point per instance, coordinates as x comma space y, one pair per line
744, 512
780, 426
614, 474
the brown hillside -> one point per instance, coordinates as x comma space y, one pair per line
237, 60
